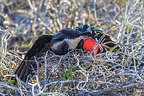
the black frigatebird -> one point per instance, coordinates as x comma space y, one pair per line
60, 44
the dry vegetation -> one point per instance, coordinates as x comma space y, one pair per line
107, 74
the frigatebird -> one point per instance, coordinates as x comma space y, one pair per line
61, 43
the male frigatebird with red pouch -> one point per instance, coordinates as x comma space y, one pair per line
60, 44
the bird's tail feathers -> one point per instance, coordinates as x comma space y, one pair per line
23, 70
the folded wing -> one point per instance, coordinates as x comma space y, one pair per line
25, 68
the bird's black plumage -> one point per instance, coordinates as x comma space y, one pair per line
67, 39
45, 43
40, 45
67, 33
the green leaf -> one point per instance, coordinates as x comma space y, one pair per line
128, 27
63, 78
66, 69
7, 90
73, 74
15, 86
12, 81
63, 75
67, 75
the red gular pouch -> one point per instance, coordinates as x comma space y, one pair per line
89, 44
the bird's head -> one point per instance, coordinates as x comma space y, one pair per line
89, 30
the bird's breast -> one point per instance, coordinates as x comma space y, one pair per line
55, 46
73, 42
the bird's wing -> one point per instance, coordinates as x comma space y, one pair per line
59, 36
40, 45
67, 33
62, 49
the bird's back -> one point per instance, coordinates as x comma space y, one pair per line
67, 33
